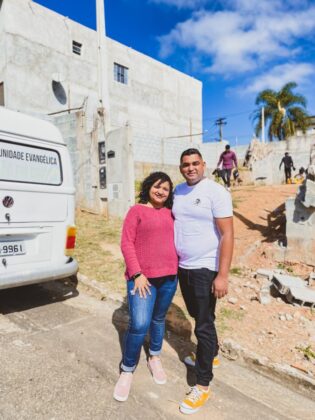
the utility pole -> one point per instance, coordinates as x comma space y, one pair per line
263, 124
190, 130
220, 122
103, 95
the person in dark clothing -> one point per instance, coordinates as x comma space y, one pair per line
288, 166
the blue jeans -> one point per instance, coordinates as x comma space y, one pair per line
146, 314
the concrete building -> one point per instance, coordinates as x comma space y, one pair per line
49, 65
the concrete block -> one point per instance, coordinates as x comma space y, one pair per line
302, 295
294, 289
283, 283
264, 296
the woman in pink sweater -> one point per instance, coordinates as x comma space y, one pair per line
147, 244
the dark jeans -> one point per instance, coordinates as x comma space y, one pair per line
287, 172
226, 176
200, 302
144, 314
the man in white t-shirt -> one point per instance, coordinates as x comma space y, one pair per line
204, 241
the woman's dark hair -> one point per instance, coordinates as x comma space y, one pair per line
151, 180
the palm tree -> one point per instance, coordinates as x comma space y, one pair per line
284, 112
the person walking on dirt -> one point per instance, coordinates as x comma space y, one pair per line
288, 166
204, 242
228, 160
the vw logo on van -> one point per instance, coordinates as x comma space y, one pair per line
8, 201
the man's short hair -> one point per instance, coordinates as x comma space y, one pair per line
227, 147
286, 153
190, 152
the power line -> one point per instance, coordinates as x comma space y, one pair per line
228, 115
186, 135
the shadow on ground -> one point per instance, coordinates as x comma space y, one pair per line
19, 299
178, 334
274, 230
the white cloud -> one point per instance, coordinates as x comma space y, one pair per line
280, 75
245, 35
182, 4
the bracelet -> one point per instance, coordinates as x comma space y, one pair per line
135, 276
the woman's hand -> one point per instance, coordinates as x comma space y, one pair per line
142, 285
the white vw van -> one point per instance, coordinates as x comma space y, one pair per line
37, 205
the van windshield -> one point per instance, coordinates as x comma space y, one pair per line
34, 165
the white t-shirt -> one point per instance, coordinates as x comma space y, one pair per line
196, 236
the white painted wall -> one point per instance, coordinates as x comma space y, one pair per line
157, 102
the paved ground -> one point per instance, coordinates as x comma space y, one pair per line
60, 352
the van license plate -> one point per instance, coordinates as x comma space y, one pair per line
12, 248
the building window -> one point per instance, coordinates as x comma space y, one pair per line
76, 47
101, 152
1, 94
121, 73
102, 173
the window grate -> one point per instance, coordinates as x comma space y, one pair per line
76, 47
121, 73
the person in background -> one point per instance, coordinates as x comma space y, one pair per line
228, 160
204, 241
147, 244
300, 177
288, 166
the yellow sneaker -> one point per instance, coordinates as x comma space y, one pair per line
195, 399
191, 361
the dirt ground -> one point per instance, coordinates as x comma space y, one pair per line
279, 331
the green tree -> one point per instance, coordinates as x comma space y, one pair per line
284, 112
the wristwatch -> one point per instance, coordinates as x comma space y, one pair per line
135, 276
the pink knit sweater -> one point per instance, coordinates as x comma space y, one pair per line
147, 242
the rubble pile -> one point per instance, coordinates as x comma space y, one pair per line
256, 151
263, 318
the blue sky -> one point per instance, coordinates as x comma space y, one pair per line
235, 47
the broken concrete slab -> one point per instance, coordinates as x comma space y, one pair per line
283, 283
294, 289
303, 295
